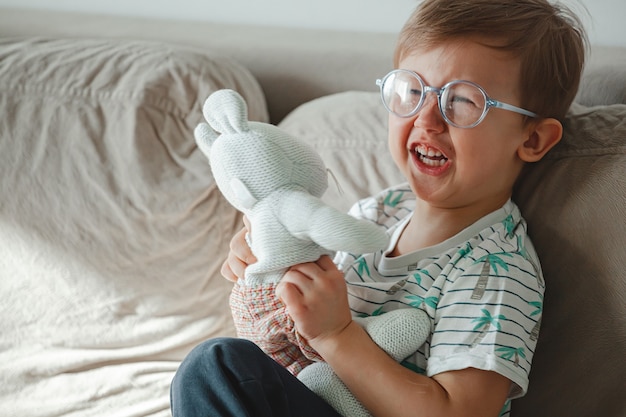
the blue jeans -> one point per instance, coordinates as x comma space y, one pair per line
228, 377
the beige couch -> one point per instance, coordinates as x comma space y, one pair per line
112, 230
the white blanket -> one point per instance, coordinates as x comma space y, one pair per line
111, 229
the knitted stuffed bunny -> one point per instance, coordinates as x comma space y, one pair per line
277, 180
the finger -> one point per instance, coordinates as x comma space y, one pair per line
323, 264
326, 263
287, 287
299, 278
228, 273
236, 266
239, 247
246, 223
291, 296
302, 272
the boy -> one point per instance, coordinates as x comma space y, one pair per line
478, 91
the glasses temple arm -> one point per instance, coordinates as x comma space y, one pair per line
510, 107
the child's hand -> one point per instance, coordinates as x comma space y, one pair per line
316, 297
240, 255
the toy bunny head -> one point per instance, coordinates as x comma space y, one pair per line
250, 160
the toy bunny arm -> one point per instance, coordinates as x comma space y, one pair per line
308, 217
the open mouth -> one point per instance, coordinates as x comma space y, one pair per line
430, 156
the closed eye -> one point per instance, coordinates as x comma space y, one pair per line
416, 92
461, 99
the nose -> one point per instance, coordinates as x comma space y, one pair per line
429, 117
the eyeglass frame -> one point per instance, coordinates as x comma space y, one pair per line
489, 102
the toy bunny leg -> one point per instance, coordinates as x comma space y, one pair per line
322, 380
399, 333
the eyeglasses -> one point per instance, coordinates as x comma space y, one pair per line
462, 104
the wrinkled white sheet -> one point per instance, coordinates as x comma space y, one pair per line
111, 229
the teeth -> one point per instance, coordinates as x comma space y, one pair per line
430, 156
430, 152
432, 162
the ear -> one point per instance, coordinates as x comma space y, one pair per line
542, 136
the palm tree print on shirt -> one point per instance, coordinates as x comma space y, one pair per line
492, 260
418, 301
362, 268
397, 286
417, 276
377, 312
509, 225
534, 333
485, 322
521, 249
421, 273
508, 352
392, 201
466, 250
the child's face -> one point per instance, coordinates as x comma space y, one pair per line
452, 167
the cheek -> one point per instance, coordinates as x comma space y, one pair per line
486, 153
397, 143
398, 132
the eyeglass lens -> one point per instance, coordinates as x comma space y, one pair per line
462, 103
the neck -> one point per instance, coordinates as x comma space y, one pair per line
430, 225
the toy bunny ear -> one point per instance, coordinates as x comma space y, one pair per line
226, 112
205, 136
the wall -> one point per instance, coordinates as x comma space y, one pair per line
605, 23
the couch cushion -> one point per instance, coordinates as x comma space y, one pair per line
349, 130
111, 228
575, 204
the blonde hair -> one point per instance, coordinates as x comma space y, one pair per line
549, 39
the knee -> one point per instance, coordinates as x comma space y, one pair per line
216, 364
222, 349
205, 373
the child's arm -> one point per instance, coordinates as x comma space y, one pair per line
316, 297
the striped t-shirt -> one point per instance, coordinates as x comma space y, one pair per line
483, 289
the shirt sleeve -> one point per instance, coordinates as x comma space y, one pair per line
488, 317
